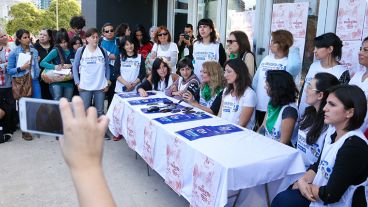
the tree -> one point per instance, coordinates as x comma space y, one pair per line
67, 9
26, 16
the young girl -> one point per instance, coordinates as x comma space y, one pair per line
340, 175
328, 52
131, 70
281, 116
187, 81
239, 99
160, 79
206, 48
312, 130
53, 61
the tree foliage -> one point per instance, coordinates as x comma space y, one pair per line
27, 16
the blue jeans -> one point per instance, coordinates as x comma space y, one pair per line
36, 88
290, 198
59, 91
98, 99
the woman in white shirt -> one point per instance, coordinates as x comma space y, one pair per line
282, 57
239, 99
312, 129
206, 47
160, 79
131, 69
328, 50
163, 46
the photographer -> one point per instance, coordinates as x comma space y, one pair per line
185, 43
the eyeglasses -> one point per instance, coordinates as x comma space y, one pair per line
109, 31
231, 41
162, 34
2, 36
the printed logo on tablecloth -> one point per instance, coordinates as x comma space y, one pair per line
117, 114
131, 135
175, 167
149, 143
206, 178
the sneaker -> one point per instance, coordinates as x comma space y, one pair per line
7, 137
27, 136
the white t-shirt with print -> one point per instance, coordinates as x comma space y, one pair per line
268, 63
92, 70
232, 107
129, 71
315, 68
202, 53
167, 54
357, 80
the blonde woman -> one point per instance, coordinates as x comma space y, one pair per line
210, 89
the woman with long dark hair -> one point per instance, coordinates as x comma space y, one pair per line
142, 41
131, 69
312, 129
281, 115
239, 47
31, 67
239, 99
160, 79
206, 47
60, 58
339, 176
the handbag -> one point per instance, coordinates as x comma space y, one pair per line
49, 75
22, 86
149, 62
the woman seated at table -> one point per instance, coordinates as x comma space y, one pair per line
312, 129
239, 99
339, 177
160, 79
281, 116
187, 81
131, 68
210, 88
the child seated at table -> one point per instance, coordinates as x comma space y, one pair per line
239, 100
160, 79
187, 81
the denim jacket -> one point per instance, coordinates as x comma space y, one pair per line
12, 63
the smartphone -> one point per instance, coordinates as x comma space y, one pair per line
40, 116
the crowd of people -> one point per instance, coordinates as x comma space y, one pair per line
325, 120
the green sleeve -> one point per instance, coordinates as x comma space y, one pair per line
46, 62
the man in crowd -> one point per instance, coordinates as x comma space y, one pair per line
185, 43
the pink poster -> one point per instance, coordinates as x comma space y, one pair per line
149, 143
349, 57
117, 115
280, 17
206, 178
131, 133
350, 19
175, 167
365, 27
248, 25
298, 19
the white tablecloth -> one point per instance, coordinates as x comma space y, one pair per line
204, 170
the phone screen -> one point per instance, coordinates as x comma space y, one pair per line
43, 117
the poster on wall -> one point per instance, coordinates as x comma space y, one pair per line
350, 19
349, 57
365, 25
294, 18
242, 21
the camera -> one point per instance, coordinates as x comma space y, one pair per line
187, 37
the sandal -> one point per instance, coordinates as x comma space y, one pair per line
118, 138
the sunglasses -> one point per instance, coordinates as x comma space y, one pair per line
109, 31
230, 41
162, 34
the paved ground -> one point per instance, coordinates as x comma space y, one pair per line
33, 174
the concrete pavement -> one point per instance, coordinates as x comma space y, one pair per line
33, 174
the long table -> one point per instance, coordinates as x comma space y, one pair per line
205, 170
